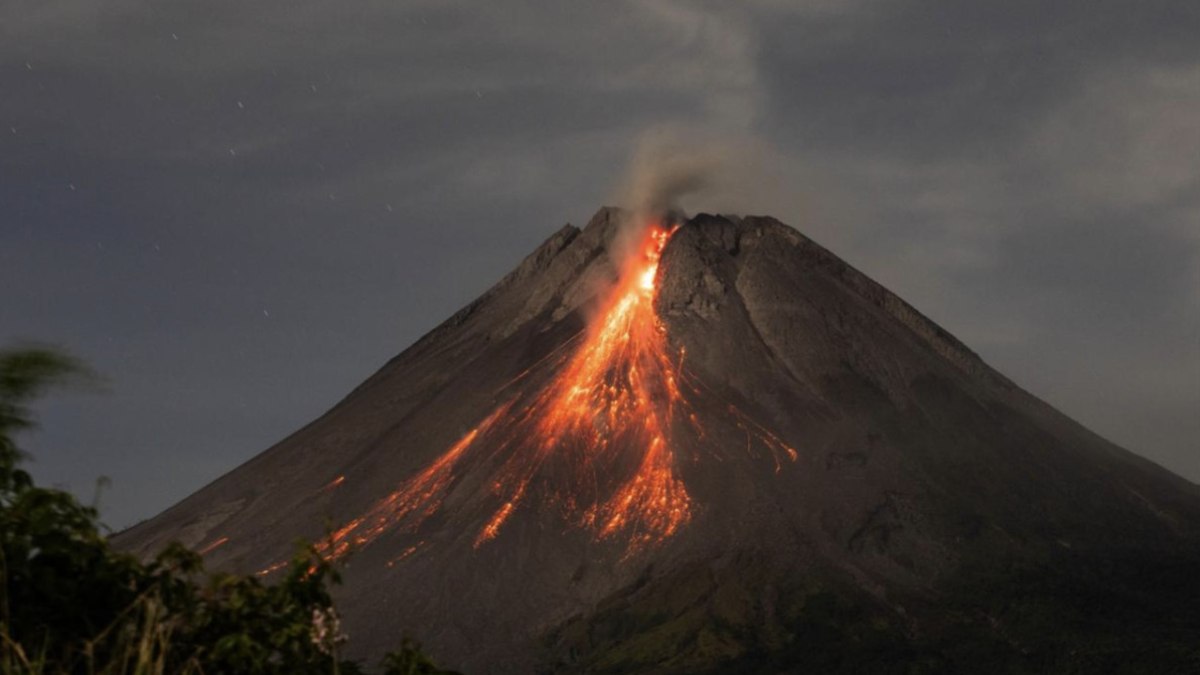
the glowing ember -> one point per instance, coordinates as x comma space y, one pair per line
213, 546
597, 441
405, 553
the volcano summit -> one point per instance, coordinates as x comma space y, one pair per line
709, 445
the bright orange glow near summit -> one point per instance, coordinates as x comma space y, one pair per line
597, 445
619, 390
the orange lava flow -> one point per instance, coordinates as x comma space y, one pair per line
422, 494
213, 546
597, 441
618, 390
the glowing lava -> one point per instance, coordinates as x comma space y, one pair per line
597, 442
619, 391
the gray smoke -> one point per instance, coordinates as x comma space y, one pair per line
669, 164
690, 169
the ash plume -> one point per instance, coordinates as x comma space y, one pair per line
678, 168
668, 165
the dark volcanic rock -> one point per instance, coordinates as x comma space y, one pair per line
935, 516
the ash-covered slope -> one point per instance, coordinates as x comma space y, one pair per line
715, 449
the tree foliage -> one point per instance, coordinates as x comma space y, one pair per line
70, 603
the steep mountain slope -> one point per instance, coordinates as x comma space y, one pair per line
711, 445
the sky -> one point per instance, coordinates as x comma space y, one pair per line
237, 211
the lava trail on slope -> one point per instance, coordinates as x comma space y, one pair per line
600, 442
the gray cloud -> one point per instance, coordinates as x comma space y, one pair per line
238, 210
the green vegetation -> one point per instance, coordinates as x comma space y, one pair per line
70, 603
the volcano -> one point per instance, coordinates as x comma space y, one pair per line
671, 445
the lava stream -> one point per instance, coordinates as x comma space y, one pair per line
618, 390
598, 441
